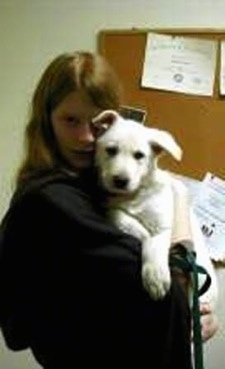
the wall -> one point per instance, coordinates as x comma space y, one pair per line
31, 34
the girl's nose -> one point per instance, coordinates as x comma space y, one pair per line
85, 133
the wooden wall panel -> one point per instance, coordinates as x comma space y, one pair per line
198, 122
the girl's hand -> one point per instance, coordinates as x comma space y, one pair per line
209, 321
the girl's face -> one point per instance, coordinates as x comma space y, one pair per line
71, 125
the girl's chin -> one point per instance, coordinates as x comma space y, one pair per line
81, 164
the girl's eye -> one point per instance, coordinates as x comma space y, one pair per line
71, 120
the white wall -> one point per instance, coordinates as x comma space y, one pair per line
32, 33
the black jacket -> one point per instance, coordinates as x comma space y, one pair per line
71, 290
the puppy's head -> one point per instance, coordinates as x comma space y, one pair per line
127, 152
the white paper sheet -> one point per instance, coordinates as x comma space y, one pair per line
209, 206
222, 68
181, 64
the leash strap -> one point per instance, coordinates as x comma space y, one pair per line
185, 260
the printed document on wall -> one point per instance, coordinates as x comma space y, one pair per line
222, 68
209, 207
180, 64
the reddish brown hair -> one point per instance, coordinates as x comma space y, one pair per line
67, 73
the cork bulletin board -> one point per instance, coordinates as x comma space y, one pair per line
198, 122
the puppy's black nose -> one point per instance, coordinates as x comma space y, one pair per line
120, 182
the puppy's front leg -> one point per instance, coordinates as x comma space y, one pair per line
128, 224
155, 253
155, 270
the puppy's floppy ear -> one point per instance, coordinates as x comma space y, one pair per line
103, 121
163, 141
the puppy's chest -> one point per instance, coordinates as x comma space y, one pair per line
153, 209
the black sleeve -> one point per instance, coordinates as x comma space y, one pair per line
53, 240
70, 288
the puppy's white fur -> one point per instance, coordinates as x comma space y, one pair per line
141, 196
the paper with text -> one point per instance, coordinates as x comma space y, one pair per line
209, 206
222, 68
180, 64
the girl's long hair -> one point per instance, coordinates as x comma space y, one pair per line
67, 73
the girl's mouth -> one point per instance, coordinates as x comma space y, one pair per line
83, 153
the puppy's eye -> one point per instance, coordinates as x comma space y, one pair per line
139, 155
112, 151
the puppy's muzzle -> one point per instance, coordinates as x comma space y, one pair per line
120, 183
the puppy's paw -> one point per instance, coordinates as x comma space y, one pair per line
156, 280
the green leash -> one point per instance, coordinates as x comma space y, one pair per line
185, 260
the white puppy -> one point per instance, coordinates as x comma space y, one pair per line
141, 195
